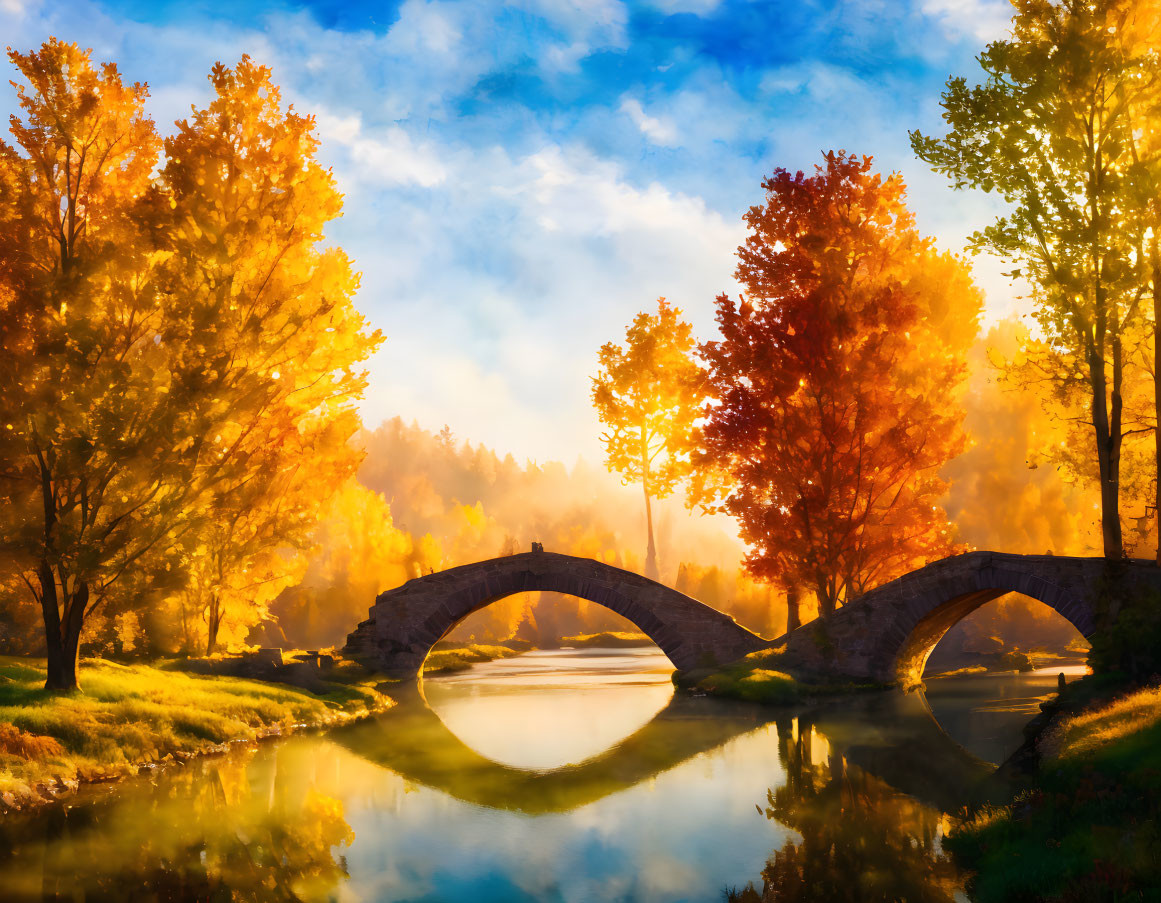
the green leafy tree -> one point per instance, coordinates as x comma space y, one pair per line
647, 393
1051, 130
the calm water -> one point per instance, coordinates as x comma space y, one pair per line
555, 776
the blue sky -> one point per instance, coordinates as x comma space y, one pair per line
522, 178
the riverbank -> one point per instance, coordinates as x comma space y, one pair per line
449, 658
1087, 824
607, 639
756, 678
129, 718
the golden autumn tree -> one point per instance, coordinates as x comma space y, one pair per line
269, 315
835, 384
1137, 35
1004, 494
358, 552
142, 393
1055, 128
91, 483
647, 394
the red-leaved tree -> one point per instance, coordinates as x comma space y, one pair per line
836, 384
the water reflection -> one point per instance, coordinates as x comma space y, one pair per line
840, 801
895, 736
859, 838
413, 742
581, 703
987, 712
236, 828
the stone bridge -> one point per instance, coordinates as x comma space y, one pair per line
883, 637
407, 621
886, 635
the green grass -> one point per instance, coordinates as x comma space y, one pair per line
129, 715
756, 678
1090, 826
608, 639
460, 658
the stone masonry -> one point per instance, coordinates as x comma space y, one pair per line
406, 622
886, 635
883, 637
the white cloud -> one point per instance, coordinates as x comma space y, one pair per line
496, 290
426, 27
502, 246
593, 21
659, 131
587, 26
580, 194
388, 156
560, 58
822, 81
987, 20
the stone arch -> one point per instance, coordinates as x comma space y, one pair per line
406, 622
886, 635
928, 629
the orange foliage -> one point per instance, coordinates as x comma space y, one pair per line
360, 553
648, 394
1005, 492
433, 503
249, 203
180, 349
86, 437
15, 742
836, 383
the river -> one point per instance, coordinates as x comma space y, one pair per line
554, 776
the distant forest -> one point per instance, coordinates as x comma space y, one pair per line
427, 501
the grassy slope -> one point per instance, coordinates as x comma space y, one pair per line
1091, 827
756, 678
608, 639
129, 715
460, 658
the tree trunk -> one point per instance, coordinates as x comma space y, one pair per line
793, 606
1108, 455
826, 601
62, 623
1157, 395
651, 569
213, 622
62, 636
51, 616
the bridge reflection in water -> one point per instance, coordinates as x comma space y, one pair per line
891, 735
850, 800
